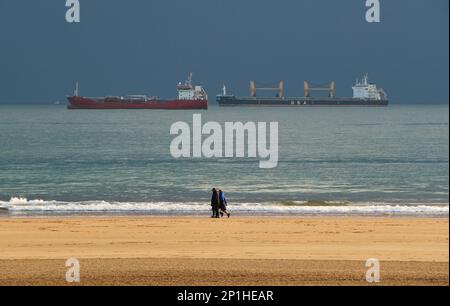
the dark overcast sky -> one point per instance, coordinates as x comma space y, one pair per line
147, 46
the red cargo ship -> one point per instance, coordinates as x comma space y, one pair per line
189, 97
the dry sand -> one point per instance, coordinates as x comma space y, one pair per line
236, 251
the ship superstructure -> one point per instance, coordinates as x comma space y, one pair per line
366, 91
187, 91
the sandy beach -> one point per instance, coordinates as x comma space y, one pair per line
237, 251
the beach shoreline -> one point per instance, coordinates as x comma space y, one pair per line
158, 250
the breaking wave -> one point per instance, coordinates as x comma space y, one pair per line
22, 205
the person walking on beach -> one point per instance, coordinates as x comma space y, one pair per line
223, 204
215, 203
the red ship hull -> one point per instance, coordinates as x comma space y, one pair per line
91, 103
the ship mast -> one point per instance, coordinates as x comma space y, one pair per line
366, 79
76, 92
189, 79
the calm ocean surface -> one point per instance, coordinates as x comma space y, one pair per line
392, 160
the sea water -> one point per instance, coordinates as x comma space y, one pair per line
350, 160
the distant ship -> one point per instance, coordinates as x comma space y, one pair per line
364, 94
189, 97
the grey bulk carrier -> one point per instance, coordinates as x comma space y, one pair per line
364, 94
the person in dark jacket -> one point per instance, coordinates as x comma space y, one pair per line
215, 203
223, 204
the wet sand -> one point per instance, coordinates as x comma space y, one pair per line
236, 251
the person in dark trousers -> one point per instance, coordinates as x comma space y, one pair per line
223, 204
215, 203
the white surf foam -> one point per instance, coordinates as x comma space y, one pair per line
20, 204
